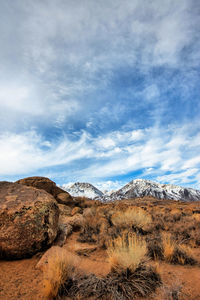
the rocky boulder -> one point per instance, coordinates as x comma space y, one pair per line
28, 220
49, 186
65, 198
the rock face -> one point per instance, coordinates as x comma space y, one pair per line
140, 188
28, 220
83, 189
65, 198
49, 186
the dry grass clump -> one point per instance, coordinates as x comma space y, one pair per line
169, 246
166, 248
57, 273
129, 276
132, 217
183, 256
126, 252
176, 253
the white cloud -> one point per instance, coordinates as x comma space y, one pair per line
155, 154
109, 185
178, 177
25, 153
105, 143
192, 162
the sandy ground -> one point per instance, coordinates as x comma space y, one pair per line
20, 280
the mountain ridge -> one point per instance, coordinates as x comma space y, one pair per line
136, 188
141, 187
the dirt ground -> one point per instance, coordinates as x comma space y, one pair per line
20, 280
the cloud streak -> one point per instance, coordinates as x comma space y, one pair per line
149, 151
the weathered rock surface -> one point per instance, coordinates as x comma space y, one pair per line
49, 186
64, 231
65, 198
28, 220
53, 252
75, 221
64, 210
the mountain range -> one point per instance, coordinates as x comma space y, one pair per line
135, 188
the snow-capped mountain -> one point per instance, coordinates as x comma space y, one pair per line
82, 189
135, 188
140, 187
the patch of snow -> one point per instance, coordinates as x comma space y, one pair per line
82, 189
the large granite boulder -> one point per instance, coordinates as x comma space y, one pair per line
28, 220
49, 186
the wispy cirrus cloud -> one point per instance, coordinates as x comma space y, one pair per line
161, 155
29, 152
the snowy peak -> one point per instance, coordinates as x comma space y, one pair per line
134, 189
83, 189
140, 188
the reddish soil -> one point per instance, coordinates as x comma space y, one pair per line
20, 280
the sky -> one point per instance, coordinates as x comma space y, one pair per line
100, 91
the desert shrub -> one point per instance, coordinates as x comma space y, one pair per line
116, 286
103, 236
58, 272
166, 248
95, 226
183, 256
155, 249
132, 217
91, 226
176, 253
126, 252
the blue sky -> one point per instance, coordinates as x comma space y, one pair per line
100, 91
